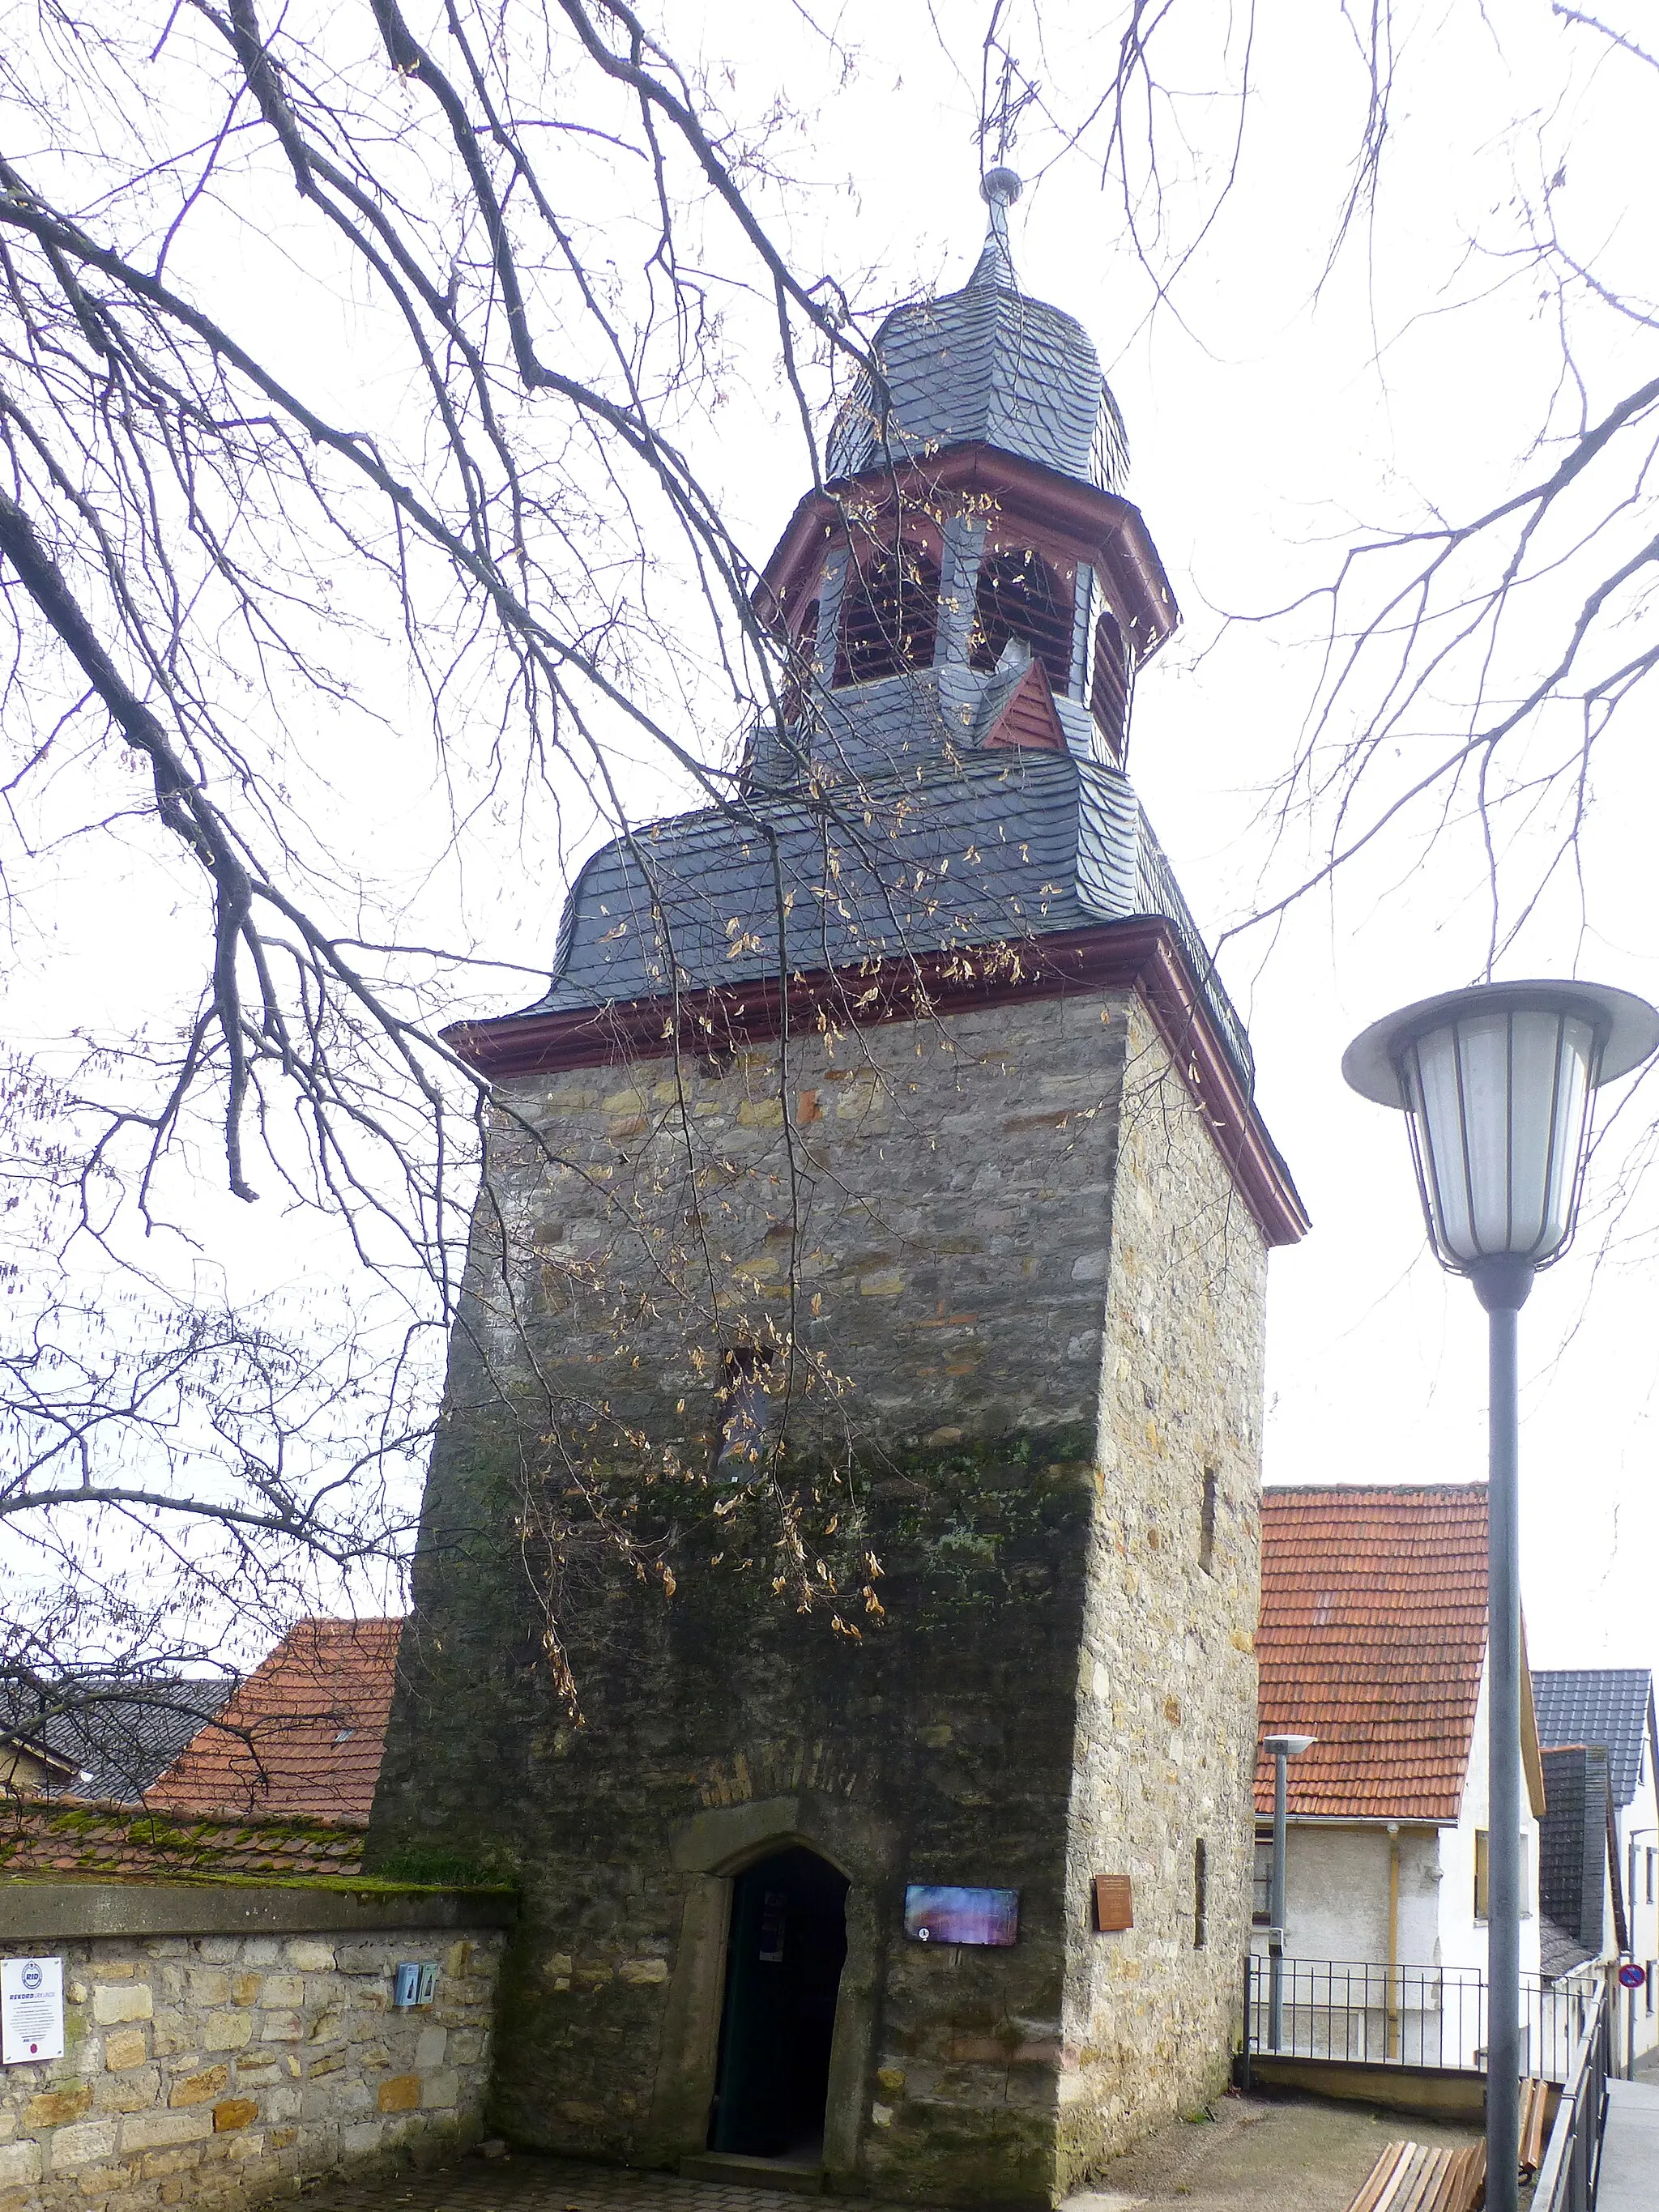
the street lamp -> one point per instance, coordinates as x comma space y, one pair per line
1496, 1083
1283, 1749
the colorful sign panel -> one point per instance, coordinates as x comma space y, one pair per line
31, 2010
1631, 1976
943, 1915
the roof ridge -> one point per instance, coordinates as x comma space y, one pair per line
1375, 1489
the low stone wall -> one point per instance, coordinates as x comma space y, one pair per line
225, 2044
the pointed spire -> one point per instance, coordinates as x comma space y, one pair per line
999, 188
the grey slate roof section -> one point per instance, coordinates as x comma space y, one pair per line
1559, 1952
119, 1735
988, 366
923, 717
904, 864
1609, 1705
1572, 1845
1001, 847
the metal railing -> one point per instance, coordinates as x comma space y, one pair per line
1572, 2161
1429, 2016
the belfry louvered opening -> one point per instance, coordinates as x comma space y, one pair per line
889, 615
1108, 688
1018, 595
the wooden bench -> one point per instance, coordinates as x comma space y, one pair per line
1534, 2108
1409, 2176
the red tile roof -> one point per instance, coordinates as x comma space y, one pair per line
302, 1737
116, 1842
1373, 1634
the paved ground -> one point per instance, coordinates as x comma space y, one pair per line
1291, 2156
1294, 2154
522, 2184
1630, 2150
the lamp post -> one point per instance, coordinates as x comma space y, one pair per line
1496, 1083
1284, 1749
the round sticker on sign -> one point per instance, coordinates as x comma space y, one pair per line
1631, 1976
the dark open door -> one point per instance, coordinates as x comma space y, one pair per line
784, 1957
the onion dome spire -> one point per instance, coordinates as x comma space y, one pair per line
988, 366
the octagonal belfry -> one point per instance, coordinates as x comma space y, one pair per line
874, 1239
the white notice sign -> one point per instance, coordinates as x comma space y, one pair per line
31, 2010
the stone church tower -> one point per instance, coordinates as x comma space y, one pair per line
877, 1222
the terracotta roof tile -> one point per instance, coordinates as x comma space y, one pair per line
113, 1842
1372, 1638
302, 1737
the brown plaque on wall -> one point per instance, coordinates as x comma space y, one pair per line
1113, 1902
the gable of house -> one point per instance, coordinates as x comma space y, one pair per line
1372, 1641
1609, 1706
304, 1735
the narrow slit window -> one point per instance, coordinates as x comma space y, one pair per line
743, 1406
1108, 688
1201, 1894
1206, 1524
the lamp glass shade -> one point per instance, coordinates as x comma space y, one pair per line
1499, 1102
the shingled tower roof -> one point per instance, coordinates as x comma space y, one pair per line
986, 365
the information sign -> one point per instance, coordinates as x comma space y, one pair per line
31, 2010
939, 1914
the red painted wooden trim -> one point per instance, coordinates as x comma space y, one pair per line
1099, 527
1143, 955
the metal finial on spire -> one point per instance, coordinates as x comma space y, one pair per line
1000, 185
999, 188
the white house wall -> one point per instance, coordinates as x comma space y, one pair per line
1639, 1821
1336, 1894
1462, 1937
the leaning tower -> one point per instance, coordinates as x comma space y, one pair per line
874, 1236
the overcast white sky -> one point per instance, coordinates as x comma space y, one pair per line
1269, 414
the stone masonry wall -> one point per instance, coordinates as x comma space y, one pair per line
224, 2070
1167, 1709
930, 1209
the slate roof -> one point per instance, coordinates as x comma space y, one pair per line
1609, 1706
1372, 1638
1007, 846
1572, 1846
1559, 1951
116, 1732
990, 366
921, 864
303, 1736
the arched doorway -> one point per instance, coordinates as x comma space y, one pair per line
786, 1945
